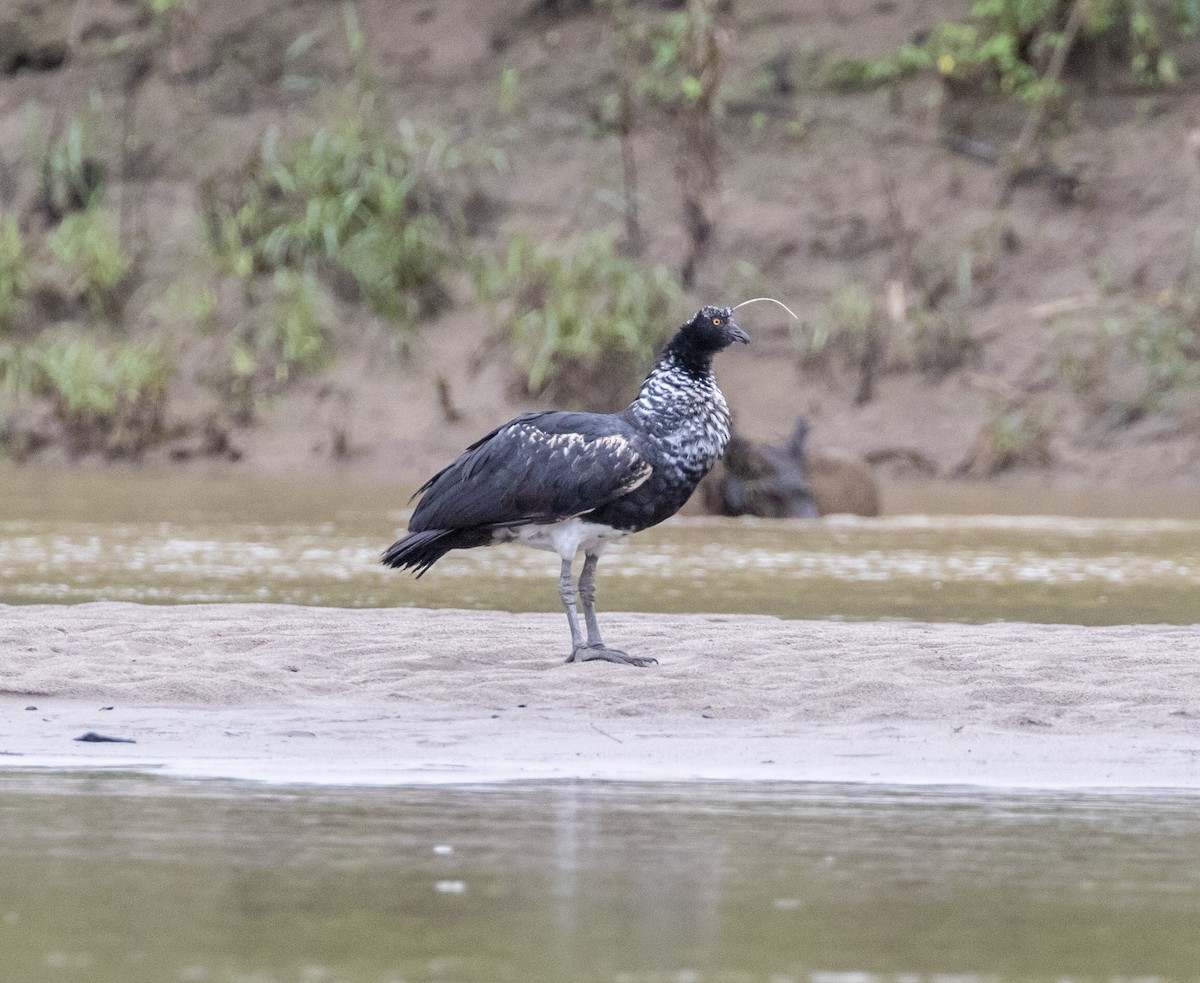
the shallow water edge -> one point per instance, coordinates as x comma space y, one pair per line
1123, 558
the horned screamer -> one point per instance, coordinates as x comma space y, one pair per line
572, 482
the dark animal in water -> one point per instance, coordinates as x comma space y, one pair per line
762, 479
789, 482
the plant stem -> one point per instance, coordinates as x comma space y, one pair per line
1017, 157
633, 228
697, 167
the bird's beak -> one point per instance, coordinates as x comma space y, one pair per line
736, 333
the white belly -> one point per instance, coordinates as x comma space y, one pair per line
568, 537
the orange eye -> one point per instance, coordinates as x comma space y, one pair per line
716, 321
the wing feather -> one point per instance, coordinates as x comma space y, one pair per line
538, 467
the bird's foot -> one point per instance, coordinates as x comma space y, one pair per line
586, 653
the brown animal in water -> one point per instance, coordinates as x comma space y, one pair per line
786, 482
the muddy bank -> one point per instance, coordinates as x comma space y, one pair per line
1076, 361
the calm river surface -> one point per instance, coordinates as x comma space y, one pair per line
119, 879
957, 552
114, 878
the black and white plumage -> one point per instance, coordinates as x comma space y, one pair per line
570, 482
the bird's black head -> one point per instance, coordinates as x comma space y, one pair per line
712, 329
709, 331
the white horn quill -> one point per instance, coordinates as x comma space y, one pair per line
753, 300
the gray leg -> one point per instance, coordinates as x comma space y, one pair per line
587, 594
595, 648
566, 590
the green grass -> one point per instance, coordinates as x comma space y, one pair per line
1164, 339
1013, 438
582, 321
866, 74
1003, 45
109, 397
851, 332
292, 330
71, 174
88, 244
1137, 362
14, 273
288, 333
20, 371
374, 211
939, 343
844, 330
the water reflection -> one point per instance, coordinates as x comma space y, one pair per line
127, 879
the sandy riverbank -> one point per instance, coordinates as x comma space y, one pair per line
406, 695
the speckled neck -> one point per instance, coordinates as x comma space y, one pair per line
684, 412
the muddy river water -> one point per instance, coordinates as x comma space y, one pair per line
108, 877
120, 879
943, 553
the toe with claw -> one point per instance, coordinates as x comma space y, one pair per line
588, 653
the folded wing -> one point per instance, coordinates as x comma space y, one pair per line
538, 467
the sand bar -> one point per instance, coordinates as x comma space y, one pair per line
398, 696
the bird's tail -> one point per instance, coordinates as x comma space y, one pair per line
420, 550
